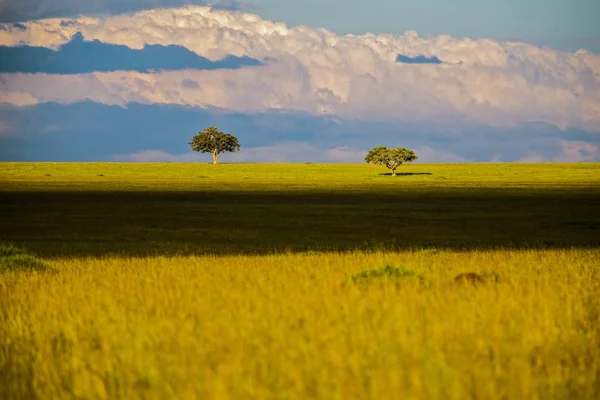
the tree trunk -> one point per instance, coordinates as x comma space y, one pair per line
393, 172
215, 158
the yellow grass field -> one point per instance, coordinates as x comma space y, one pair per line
296, 326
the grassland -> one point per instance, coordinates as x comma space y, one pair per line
240, 281
157, 209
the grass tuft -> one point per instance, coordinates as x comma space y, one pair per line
9, 249
15, 259
388, 274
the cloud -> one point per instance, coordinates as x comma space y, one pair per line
189, 84
282, 152
564, 151
576, 151
21, 10
316, 71
90, 131
346, 154
158, 156
531, 157
18, 98
430, 155
285, 152
78, 56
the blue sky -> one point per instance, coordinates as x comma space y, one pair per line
79, 56
563, 24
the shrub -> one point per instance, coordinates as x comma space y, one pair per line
9, 249
13, 258
388, 274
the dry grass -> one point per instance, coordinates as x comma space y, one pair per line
297, 326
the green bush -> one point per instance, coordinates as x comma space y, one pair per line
13, 258
9, 249
387, 274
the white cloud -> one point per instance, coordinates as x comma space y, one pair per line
485, 81
565, 151
17, 10
345, 154
17, 97
576, 151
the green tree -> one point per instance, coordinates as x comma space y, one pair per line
211, 140
391, 158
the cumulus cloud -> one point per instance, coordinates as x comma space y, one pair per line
21, 10
316, 71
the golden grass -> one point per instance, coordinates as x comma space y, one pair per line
295, 326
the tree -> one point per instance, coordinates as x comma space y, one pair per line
210, 140
391, 158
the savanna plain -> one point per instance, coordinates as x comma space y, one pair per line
299, 281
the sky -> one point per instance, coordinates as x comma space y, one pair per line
311, 81
564, 24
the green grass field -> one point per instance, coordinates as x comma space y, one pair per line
242, 281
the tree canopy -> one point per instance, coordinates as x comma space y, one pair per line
391, 158
211, 140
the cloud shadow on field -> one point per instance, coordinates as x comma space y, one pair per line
79, 57
199, 219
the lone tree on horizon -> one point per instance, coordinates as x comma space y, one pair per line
391, 158
211, 140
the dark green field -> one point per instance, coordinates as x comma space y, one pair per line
83, 214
